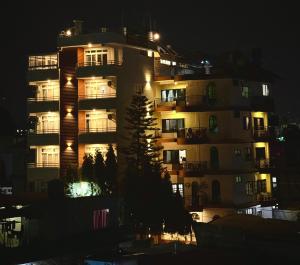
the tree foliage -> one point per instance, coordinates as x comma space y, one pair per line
148, 190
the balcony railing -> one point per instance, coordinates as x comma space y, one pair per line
44, 131
263, 164
101, 63
42, 67
43, 165
261, 132
185, 101
41, 99
195, 166
192, 134
97, 96
98, 130
191, 166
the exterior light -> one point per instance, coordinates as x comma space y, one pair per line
69, 112
69, 145
90, 45
93, 77
69, 78
68, 32
175, 83
156, 36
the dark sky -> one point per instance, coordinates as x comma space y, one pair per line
210, 26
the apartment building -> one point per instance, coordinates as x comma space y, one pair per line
214, 125
214, 130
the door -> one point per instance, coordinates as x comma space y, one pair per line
215, 191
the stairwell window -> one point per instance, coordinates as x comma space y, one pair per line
265, 90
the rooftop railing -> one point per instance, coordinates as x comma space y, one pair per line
42, 67
100, 63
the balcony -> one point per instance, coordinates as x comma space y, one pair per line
87, 69
43, 104
45, 171
40, 71
261, 134
43, 137
97, 101
188, 104
163, 105
262, 103
264, 165
192, 135
97, 135
190, 168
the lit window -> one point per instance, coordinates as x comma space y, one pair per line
274, 179
265, 90
166, 62
172, 125
178, 187
238, 179
248, 153
246, 123
237, 151
245, 91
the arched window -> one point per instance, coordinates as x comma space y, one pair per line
211, 92
212, 124
214, 158
215, 191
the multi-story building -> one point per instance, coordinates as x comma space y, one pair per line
214, 130
214, 127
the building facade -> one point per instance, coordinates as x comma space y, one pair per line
214, 127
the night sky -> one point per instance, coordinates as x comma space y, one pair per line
206, 26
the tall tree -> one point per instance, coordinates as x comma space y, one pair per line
99, 171
143, 176
87, 169
111, 170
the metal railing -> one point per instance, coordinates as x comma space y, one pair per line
191, 166
185, 101
195, 166
263, 163
97, 96
100, 63
98, 130
261, 132
41, 99
44, 131
193, 133
42, 67
43, 165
